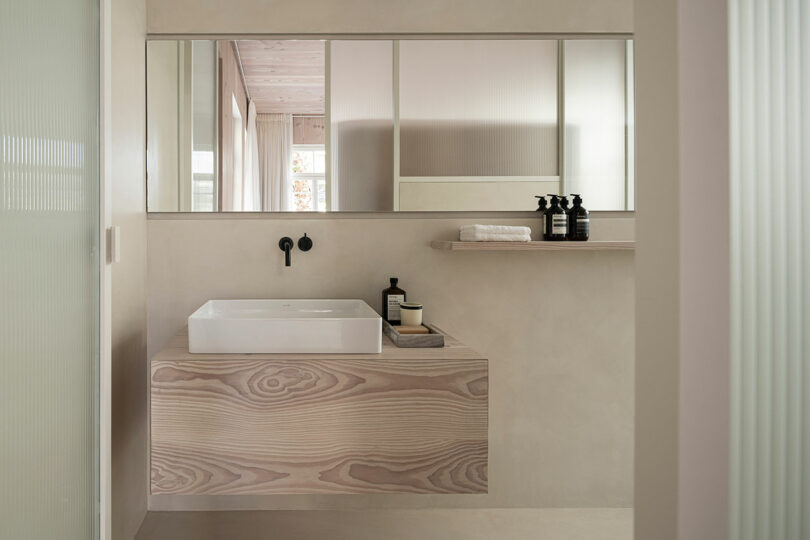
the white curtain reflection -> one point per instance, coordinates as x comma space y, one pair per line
274, 139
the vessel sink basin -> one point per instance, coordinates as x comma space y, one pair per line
285, 326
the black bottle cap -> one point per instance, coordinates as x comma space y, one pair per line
577, 199
554, 198
394, 281
563, 201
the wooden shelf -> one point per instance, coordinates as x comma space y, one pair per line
449, 245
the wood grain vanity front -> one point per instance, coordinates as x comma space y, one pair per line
403, 421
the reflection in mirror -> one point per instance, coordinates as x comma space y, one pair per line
597, 114
387, 125
478, 124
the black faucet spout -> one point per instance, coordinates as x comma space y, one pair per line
286, 245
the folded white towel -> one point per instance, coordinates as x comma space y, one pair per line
494, 233
483, 237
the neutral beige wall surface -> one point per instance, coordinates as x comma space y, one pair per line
389, 16
129, 382
682, 270
557, 327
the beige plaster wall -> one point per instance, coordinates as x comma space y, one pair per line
129, 382
682, 270
389, 16
558, 329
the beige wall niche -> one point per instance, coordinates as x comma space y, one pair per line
557, 328
561, 409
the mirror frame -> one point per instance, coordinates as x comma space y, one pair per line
391, 214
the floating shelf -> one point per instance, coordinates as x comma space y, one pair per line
449, 245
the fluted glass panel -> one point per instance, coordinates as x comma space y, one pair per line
769, 71
597, 116
478, 108
362, 132
49, 213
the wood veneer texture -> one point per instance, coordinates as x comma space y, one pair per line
413, 421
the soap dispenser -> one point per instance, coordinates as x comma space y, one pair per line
541, 210
556, 222
565, 206
391, 297
579, 222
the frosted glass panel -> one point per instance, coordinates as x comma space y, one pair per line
362, 131
769, 81
478, 108
595, 114
49, 212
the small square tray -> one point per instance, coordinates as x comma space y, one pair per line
434, 339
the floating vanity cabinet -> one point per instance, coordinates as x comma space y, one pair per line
402, 421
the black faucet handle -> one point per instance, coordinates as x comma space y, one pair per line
305, 243
286, 245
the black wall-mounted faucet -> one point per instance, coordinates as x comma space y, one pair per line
286, 245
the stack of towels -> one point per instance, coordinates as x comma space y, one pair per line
495, 233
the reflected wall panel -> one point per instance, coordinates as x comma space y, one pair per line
478, 108
162, 125
595, 122
203, 126
49, 268
362, 126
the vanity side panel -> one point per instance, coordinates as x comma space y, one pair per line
259, 426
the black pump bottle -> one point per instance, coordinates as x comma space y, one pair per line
566, 209
541, 209
579, 222
556, 221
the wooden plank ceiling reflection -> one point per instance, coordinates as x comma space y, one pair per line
285, 76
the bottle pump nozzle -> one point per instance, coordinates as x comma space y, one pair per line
541, 203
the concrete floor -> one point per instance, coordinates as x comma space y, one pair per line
444, 524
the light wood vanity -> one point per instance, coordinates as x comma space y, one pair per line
402, 421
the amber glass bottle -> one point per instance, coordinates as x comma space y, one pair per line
391, 297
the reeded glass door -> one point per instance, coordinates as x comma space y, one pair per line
49, 269
769, 82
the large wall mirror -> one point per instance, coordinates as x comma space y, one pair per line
379, 125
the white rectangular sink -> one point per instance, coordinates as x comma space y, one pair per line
285, 326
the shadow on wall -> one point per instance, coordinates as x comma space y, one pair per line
477, 148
